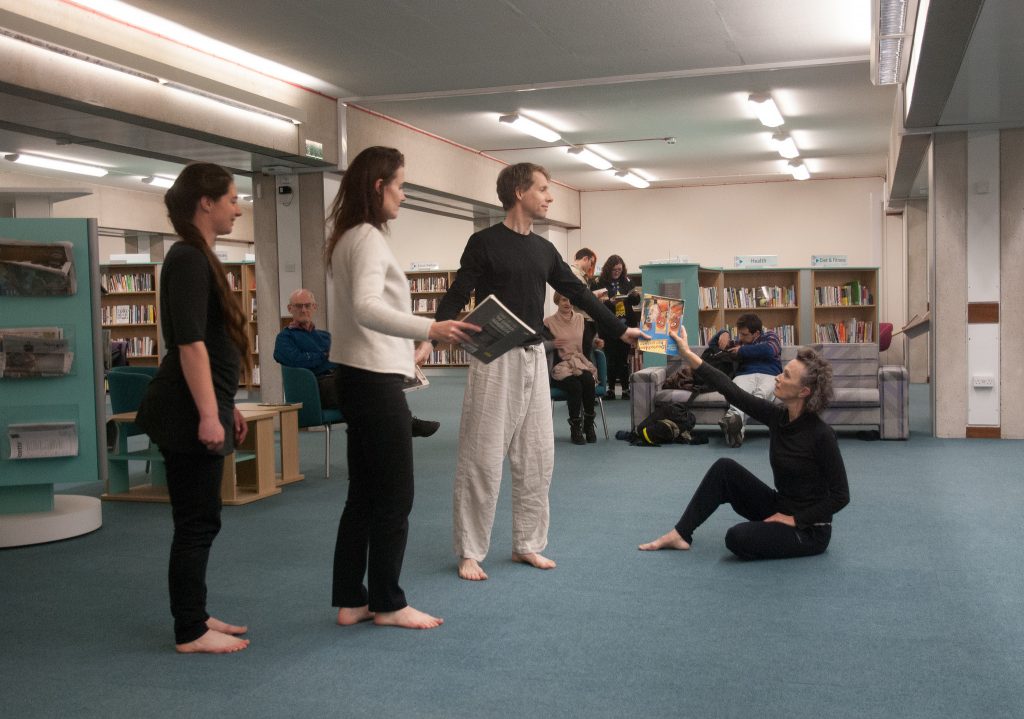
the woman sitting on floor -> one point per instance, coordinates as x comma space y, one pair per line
795, 518
574, 373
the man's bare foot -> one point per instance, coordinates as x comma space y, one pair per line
407, 617
225, 628
470, 569
669, 540
213, 642
347, 616
534, 560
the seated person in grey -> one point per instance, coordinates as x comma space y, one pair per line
301, 344
758, 351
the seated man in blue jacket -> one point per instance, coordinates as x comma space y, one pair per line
301, 344
759, 354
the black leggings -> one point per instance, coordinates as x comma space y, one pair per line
580, 389
728, 482
193, 483
617, 353
374, 525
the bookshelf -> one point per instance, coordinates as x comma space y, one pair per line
426, 288
845, 304
710, 317
241, 278
130, 309
771, 294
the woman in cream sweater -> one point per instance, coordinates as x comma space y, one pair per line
374, 332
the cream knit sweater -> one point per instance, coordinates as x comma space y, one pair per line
372, 327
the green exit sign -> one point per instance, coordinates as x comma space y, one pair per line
315, 149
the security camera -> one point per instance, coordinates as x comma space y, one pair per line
284, 190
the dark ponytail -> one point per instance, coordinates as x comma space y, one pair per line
196, 181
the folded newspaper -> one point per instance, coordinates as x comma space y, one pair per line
34, 352
420, 381
501, 330
46, 439
36, 269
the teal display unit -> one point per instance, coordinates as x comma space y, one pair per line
27, 485
673, 280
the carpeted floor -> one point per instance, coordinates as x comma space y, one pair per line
913, 612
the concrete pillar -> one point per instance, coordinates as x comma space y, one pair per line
947, 240
1011, 295
915, 220
264, 225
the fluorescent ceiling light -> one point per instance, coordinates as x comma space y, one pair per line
799, 170
766, 109
51, 163
590, 157
889, 40
530, 127
784, 145
634, 180
156, 25
157, 181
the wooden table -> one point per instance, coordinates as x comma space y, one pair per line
248, 471
288, 423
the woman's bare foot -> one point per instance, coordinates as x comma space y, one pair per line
407, 617
534, 560
347, 616
669, 540
470, 569
225, 628
213, 642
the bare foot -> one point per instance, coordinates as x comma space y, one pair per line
225, 628
213, 642
407, 617
669, 540
470, 569
534, 560
347, 616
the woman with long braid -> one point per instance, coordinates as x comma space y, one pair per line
189, 409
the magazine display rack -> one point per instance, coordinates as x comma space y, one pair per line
53, 422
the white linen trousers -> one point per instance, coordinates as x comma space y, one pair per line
506, 412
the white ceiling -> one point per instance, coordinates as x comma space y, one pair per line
618, 76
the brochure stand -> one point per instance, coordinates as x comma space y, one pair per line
30, 512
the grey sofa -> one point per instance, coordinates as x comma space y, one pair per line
866, 394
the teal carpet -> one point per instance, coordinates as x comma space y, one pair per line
915, 610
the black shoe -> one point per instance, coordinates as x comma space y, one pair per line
732, 428
610, 394
576, 431
588, 428
625, 394
424, 427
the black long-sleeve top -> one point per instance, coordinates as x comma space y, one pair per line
513, 267
806, 464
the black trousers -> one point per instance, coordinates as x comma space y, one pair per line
328, 391
728, 482
193, 483
617, 353
374, 525
580, 391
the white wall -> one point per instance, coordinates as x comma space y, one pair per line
423, 237
710, 225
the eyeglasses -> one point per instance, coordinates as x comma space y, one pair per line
303, 305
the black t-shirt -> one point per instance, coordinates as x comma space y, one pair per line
515, 268
190, 311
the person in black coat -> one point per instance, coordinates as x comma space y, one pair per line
622, 295
795, 518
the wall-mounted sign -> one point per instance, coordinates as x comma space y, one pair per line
315, 149
828, 261
418, 266
748, 261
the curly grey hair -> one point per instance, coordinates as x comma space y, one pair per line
817, 377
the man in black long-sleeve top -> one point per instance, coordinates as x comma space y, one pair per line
507, 406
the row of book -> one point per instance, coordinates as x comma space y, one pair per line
755, 297
128, 314
710, 298
448, 355
234, 280
852, 293
852, 330
127, 281
786, 333
433, 283
138, 346
425, 304
255, 374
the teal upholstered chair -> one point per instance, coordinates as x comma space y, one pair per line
601, 362
300, 385
127, 389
